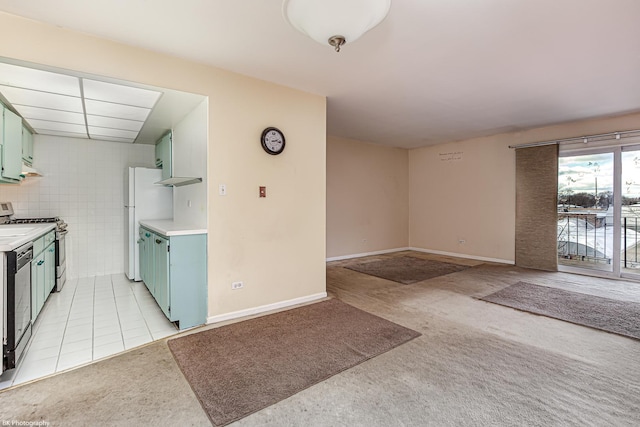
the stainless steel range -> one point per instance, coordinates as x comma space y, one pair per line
61, 231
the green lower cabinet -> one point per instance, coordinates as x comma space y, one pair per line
161, 263
178, 275
146, 259
43, 272
37, 285
49, 268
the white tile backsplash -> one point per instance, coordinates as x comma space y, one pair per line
83, 183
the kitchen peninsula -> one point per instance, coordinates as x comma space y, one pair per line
173, 266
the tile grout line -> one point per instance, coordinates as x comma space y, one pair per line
66, 324
34, 331
115, 302
144, 318
93, 317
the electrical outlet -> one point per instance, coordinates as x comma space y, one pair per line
462, 241
237, 285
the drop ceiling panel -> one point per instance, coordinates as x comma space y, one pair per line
24, 77
36, 113
61, 103
57, 126
96, 132
119, 94
17, 96
110, 122
113, 139
119, 111
60, 133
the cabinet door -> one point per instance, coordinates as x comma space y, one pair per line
159, 152
27, 146
50, 269
161, 255
163, 155
12, 147
146, 259
34, 289
37, 285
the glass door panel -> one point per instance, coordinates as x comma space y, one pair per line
630, 212
586, 212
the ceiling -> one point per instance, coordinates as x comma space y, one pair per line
433, 71
78, 105
64, 105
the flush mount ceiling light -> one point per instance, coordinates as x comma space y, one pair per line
335, 21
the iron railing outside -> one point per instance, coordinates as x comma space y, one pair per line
587, 238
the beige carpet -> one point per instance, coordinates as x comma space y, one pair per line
406, 269
611, 315
241, 368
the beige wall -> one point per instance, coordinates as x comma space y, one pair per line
466, 190
275, 245
367, 197
463, 191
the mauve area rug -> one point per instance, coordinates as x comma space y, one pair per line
406, 269
618, 317
238, 369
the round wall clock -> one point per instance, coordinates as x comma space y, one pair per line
272, 140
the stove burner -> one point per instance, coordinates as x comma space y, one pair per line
60, 224
33, 220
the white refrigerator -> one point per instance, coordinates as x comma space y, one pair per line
144, 200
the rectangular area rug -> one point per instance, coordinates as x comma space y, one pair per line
406, 269
238, 369
618, 317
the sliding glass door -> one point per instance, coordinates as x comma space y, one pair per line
586, 211
630, 211
599, 211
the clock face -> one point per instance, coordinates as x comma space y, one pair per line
272, 140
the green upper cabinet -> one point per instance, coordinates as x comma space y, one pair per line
163, 155
11, 147
27, 146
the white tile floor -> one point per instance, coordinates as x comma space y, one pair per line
90, 319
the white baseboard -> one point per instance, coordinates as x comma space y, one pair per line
385, 251
478, 258
265, 308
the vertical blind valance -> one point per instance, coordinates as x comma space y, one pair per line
536, 207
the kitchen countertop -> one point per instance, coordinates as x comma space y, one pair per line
15, 235
169, 227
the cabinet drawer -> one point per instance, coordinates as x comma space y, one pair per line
38, 246
49, 238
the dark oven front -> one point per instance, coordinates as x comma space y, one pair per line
17, 294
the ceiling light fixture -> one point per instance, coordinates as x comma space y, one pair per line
335, 21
